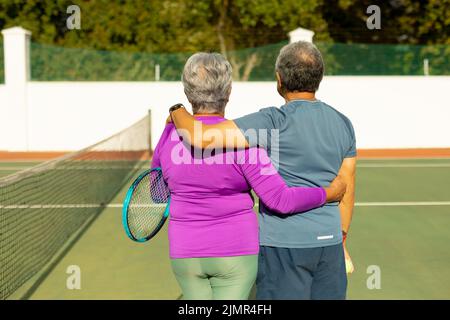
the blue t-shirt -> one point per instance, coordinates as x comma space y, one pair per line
307, 142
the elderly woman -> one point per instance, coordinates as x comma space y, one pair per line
213, 230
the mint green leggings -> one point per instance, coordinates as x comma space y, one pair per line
224, 278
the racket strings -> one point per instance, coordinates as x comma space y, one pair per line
147, 206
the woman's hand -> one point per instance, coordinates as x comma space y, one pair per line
336, 190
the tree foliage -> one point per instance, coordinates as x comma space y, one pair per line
191, 25
402, 21
227, 26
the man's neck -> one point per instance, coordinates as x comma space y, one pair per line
289, 96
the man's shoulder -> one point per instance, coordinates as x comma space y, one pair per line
339, 114
264, 116
278, 115
272, 110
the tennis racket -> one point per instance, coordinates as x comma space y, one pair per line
146, 206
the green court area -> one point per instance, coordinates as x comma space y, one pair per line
7, 168
400, 226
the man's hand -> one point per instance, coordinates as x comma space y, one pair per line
336, 190
348, 173
349, 268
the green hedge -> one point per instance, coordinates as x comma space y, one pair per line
51, 63
376, 59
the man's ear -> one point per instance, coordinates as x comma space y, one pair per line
278, 79
279, 86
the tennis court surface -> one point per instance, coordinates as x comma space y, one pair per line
400, 225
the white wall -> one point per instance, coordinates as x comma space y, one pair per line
393, 112
387, 112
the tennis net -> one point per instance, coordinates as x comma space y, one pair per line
43, 207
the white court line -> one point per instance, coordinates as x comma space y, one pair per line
401, 165
119, 205
404, 159
405, 203
77, 168
362, 165
75, 206
14, 168
52, 206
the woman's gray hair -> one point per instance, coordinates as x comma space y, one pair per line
207, 81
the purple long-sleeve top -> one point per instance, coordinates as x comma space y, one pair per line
211, 208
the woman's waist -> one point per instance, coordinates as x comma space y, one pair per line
211, 208
200, 218
217, 237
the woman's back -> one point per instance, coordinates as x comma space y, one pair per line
211, 211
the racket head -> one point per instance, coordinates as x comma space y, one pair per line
146, 206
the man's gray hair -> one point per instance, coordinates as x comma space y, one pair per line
300, 66
207, 81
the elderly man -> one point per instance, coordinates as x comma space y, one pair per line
301, 255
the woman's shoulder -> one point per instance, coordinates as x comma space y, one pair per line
169, 130
167, 134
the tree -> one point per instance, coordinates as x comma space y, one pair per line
232, 27
248, 24
402, 21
